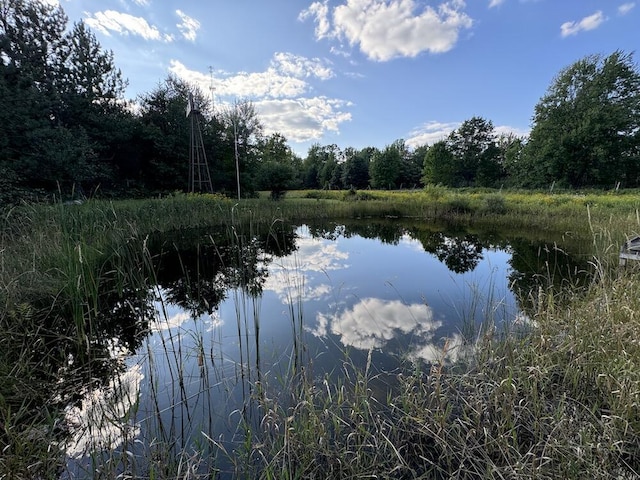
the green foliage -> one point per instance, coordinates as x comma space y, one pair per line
470, 156
355, 173
439, 165
386, 166
586, 126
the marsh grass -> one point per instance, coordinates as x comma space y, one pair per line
559, 402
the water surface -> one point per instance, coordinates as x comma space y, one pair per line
230, 312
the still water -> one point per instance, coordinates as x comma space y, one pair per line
230, 312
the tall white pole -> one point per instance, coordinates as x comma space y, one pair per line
235, 147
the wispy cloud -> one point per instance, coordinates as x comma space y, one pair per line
111, 21
320, 12
587, 23
188, 26
387, 29
495, 3
626, 8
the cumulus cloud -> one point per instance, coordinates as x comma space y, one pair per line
387, 29
188, 26
587, 23
303, 119
372, 322
110, 21
281, 95
626, 8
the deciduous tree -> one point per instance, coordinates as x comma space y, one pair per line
586, 127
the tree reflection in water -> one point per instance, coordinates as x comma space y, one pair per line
196, 271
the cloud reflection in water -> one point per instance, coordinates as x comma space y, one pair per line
372, 323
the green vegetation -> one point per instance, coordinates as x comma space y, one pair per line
557, 396
66, 127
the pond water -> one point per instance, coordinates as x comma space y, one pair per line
229, 312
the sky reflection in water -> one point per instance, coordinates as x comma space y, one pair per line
350, 292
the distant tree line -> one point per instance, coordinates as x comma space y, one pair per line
65, 126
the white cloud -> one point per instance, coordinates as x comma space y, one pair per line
373, 322
430, 133
386, 29
587, 23
626, 8
508, 130
280, 95
111, 21
142, 3
303, 119
188, 26
320, 11
105, 417
301, 67
495, 3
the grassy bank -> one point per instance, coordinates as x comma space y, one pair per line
559, 402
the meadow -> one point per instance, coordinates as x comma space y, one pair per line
557, 399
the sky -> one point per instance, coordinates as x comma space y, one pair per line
361, 73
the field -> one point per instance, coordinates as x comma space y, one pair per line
555, 396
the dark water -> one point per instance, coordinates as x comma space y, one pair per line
232, 310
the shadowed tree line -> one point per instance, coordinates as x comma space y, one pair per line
65, 126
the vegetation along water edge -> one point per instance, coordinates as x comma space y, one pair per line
558, 401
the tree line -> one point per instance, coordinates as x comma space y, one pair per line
65, 126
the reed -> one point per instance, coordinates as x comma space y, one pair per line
559, 401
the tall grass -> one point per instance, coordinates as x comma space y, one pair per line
561, 401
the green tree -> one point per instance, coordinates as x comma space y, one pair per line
411, 167
243, 134
276, 171
61, 99
586, 127
511, 147
167, 134
386, 165
319, 166
355, 172
439, 166
474, 148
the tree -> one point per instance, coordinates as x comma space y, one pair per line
411, 167
319, 166
475, 151
355, 172
439, 166
276, 171
385, 166
586, 127
166, 135
61, 99
243, 132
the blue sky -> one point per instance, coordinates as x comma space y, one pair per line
361, 73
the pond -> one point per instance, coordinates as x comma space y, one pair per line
233, 312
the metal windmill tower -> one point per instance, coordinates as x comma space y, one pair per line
199, 178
